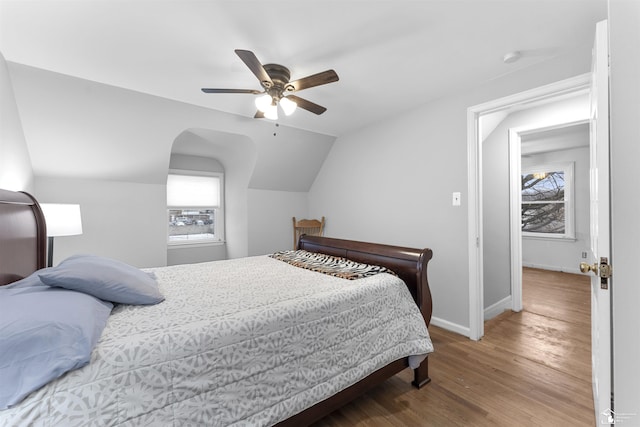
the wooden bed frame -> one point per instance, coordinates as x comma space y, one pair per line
23, 236
23, 250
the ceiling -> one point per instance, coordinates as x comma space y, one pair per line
391, 56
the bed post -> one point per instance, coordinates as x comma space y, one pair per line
423, 299
421, 374
423, 292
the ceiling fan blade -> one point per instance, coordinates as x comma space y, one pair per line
259, 115
307, 105
252, 91
322, 78
254, 65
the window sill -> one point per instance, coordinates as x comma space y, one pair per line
551, 238
194, 244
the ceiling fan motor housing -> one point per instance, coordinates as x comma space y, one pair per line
280, 77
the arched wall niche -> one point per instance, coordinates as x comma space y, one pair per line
216, 151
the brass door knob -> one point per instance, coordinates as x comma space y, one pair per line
586, 267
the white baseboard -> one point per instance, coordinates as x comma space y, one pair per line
573, 270
498, 308
450, 326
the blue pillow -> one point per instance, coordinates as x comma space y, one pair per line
45, 332
104, 278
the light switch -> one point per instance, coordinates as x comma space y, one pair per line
456, 198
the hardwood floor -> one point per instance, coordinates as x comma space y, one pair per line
531, 368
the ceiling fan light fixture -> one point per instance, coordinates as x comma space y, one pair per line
264, 102
288, 106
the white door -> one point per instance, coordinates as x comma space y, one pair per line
600, 226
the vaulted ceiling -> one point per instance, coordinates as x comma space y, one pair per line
391, 56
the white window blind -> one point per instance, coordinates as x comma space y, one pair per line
193, 191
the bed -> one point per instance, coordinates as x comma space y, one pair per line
250, 372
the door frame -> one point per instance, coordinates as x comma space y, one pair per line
515, 202
524, 99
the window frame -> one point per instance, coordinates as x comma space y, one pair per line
569, 201
218, 211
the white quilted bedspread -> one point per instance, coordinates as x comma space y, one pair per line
245, 342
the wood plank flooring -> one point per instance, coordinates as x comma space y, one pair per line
531, 368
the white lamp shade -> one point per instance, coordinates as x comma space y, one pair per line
62, 219
263, 103
288, 106
267, 105
272, 113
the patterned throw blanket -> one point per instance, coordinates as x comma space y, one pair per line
331, 265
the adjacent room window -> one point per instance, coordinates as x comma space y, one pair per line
547, 201
194, 207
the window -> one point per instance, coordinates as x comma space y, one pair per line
194, 207
547, 201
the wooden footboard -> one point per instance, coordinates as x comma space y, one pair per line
411, 266
408, 263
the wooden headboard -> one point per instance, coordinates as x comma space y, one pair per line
23, 236
408, 263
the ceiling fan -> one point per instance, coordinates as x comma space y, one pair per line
278, 90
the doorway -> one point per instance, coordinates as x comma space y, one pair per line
552, 233
477, 128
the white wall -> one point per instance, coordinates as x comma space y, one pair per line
392, 182
624, 27
557, 254
270, 225
16, 173
190, 254
495, 205
120, 220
